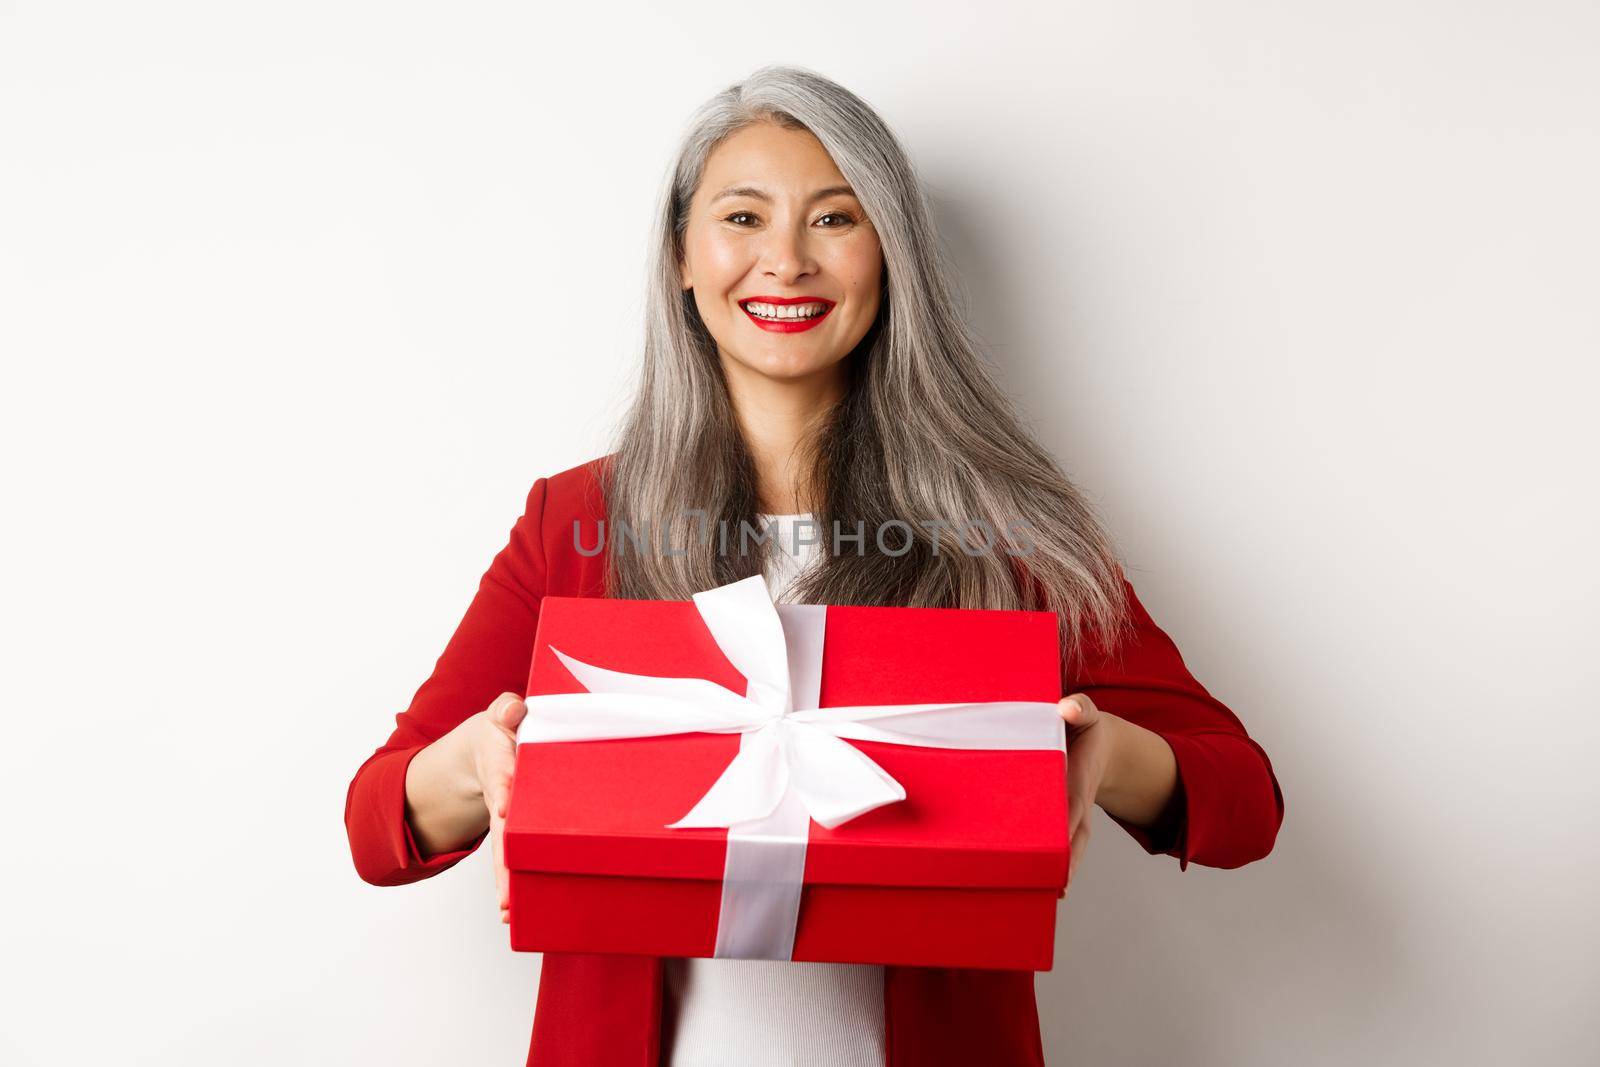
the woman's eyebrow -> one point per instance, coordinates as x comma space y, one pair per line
752, 191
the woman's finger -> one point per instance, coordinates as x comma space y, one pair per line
1078, 711
499, 765
1080, 841
501, 769
1077, 802
502, 794
509, 711
501, 879
491, 791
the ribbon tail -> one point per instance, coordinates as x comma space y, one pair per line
747, 628
836, 780
748, 788
711, 697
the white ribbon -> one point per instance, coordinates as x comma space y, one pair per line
793, 764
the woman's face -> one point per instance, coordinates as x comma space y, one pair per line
773, 218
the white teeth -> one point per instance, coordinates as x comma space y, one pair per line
785, 311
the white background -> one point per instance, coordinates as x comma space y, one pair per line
300, 298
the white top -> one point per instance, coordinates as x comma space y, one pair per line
774, 1013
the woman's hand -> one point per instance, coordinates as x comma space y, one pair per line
1128, 770
458, 786
1091, 738
491, 744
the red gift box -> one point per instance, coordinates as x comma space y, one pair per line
966, 871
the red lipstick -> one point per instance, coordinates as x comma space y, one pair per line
786, 325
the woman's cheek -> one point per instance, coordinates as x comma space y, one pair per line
725, 260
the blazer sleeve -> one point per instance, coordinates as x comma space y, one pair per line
488, 654
1227, 806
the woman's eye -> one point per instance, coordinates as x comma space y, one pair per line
844, 220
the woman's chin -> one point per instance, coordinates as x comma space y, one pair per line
782, 366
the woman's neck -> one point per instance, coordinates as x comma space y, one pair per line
776, 416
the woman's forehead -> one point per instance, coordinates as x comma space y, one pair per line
767, 160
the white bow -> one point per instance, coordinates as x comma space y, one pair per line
786, 747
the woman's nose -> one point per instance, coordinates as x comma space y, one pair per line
786, 254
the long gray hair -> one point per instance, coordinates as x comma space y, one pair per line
923, 431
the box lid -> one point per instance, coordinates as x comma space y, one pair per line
973, 818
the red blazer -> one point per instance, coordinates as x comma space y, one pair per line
605, 1011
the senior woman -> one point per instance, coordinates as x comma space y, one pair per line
804, 360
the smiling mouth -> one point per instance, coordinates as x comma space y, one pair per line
759, 309
792, 317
